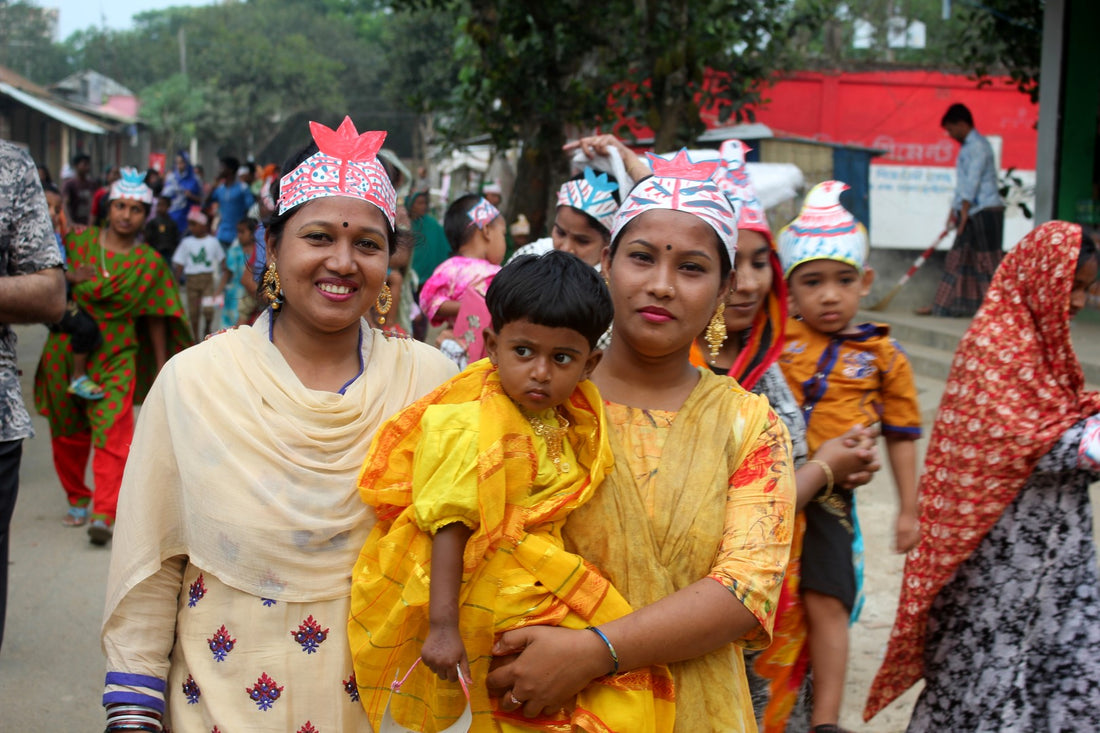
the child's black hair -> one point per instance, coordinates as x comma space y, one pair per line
456, 224
249, 222
556, 290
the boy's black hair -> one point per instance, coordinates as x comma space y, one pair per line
556, 290
79, 158
957, 113
456, 224
232, 163
249, 222
164, 197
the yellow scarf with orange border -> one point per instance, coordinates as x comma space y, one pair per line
514, 567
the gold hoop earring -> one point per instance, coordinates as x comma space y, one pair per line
272, 288
716, 331
383, 303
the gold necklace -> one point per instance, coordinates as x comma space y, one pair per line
554, 436
103, 255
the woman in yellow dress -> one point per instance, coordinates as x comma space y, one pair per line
472, 485
694, 523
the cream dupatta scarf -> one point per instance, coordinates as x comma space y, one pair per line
239, 467
648, 558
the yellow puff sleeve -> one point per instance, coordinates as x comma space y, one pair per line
445, 467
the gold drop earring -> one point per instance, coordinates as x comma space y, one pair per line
716, 331
383, 303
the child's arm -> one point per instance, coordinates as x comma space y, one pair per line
443, 651
158, 336
249, 282
903, 464
447, 312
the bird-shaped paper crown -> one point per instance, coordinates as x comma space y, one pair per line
733, 180
131, 186
592, 195
823, 230
678, 184
345, 164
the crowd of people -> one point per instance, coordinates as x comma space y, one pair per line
435, 476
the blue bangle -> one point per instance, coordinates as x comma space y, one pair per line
610, 648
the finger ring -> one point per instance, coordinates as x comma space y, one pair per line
512, 697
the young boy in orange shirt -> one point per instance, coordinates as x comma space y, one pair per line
842, 374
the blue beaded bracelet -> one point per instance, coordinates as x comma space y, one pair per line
610, 648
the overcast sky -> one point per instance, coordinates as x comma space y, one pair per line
80, 14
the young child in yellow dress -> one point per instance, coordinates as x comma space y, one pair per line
472, 485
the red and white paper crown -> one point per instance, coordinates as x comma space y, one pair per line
346, 164
681, 185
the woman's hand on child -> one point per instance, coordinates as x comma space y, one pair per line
444, 653
552, 666
907, 532
853, 457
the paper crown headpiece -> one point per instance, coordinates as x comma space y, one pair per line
592, 195
823, 230
483, 214
733, 180
131, 186
520, 226
681, 185
346, 164
195, 214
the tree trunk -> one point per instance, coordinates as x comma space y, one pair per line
542, 168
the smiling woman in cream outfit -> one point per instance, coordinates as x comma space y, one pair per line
239, 521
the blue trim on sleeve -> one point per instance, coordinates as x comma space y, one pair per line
123, 697
136, 680
901, 431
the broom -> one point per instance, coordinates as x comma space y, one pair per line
881, 305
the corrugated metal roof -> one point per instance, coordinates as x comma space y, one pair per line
55, 111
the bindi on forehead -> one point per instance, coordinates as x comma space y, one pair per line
668, 248
345, 225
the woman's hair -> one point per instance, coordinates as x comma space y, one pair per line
1090, 249
275, 224
725, 267
592, 223
556, 290
456, 224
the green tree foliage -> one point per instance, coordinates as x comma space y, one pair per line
173, 108
26, 45
254, 65
528, 72
1002, 36
981, 38
676, 56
